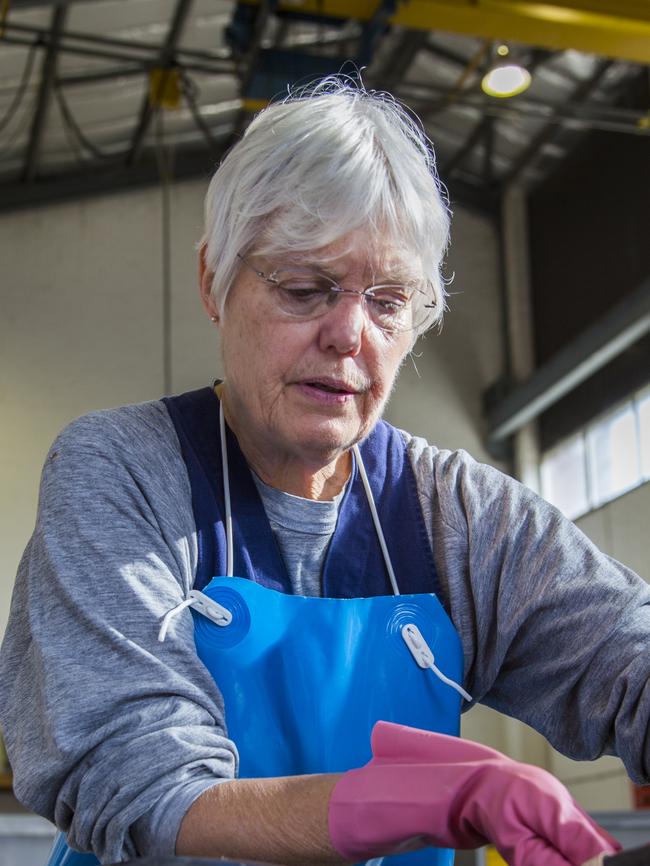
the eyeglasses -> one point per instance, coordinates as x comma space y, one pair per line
308, 294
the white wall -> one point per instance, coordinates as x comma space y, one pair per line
81, 328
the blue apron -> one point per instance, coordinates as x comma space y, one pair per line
305, 679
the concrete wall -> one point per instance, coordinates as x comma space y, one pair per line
81, 328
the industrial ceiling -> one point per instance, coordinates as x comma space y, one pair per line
100, 95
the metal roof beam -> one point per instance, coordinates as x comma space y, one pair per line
100, 75
165, 57
622, 326
444, 53
44, 38
475, 136
399, 59
580, 116
218, 67
548, 131
613, 28
488, 150
484, 129
29, 4
48, 71
112, 41
190, 162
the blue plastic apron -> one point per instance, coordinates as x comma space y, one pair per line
305, 679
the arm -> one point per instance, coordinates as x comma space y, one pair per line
111, 735
419, 789
282, 820
555, 633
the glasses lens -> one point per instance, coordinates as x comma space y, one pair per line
389, 307
308, 294
303, 294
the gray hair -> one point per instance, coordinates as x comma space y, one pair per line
328, 160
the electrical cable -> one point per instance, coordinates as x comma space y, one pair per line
22, 87
74, 144
190, 92
71, 138
70, 122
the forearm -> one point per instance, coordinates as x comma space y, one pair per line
278, 820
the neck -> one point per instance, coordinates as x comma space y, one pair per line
320, 477
322, 484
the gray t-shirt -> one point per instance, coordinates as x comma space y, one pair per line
303, 529
113, 735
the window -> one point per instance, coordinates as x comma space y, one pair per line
643, 407
608, 457
564, 480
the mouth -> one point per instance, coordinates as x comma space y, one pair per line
330, 386
328, 392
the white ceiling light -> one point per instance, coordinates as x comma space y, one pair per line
505, 78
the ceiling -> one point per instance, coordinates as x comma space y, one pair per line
100, 95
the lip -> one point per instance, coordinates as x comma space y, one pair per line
343, 394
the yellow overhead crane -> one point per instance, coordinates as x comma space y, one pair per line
613, 28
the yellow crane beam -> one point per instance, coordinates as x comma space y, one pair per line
612, 28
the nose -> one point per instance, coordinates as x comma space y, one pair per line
343, 325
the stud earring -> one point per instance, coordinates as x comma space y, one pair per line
214, 318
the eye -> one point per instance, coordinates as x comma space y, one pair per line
390, 300
303, 287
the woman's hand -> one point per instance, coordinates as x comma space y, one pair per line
422, 788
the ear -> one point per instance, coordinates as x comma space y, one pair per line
205, 286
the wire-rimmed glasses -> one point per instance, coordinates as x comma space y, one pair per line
308, 294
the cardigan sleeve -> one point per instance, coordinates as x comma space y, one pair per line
111, 734
555, 633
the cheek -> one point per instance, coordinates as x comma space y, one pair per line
242, 339
390, 358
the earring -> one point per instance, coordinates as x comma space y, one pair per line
214, 318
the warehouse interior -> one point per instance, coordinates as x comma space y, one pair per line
113, 116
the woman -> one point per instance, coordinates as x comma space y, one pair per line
320, 266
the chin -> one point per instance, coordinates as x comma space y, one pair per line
329, 440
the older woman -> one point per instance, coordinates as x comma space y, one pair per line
270, 554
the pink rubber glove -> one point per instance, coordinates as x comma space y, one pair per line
422, 789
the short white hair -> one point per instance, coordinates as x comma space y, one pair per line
329, 160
